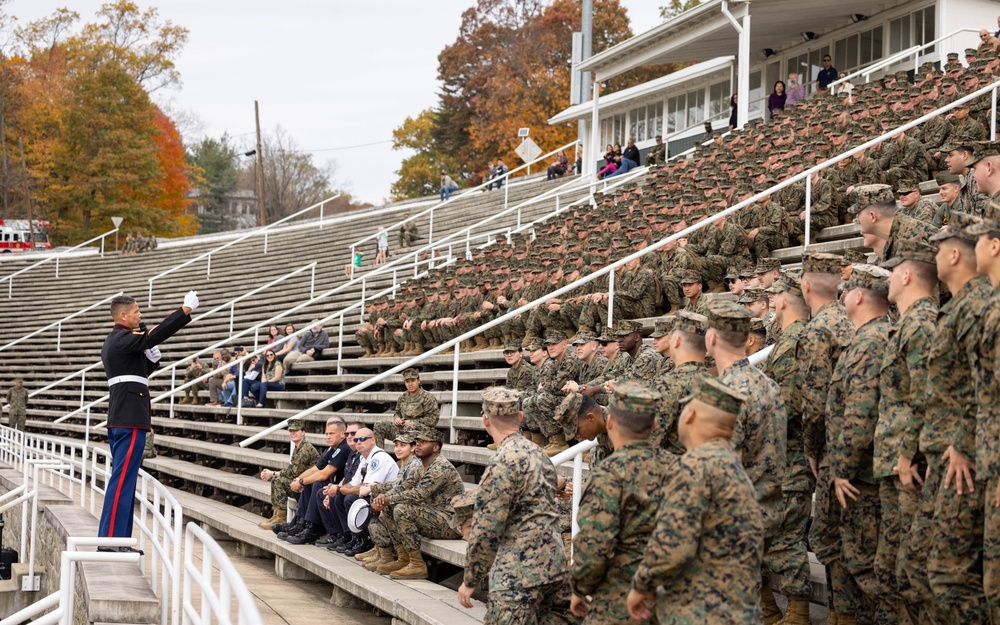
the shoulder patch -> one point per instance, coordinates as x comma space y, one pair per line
335, 452
373, 465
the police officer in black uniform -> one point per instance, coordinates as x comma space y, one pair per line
130, 353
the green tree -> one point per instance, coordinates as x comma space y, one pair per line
419, 173
676, 7
216, 163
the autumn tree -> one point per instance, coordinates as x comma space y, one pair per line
419, 173
676, 7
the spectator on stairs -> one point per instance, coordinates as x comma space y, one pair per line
657, 155
217, 382
776, 101
629, 159
289, 343
248, 371
194, 370
560, 167
408, 233
448, 187
796, 91
381, 245
17, 401
498, 176
310, 346
270, 380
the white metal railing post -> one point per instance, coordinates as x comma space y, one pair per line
208, 267
59, 337
232, 316
361, 315
57, 266
239, 395
265, 241
454, 394
430, 229
993, 117
83, 389
611, 298
577, 492
340, 345
506, 189
173, 383
312, 282
808, 207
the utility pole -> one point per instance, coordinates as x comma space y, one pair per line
261, 221
587, 29
27, 193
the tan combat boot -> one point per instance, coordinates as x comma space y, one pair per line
385, 556
414, 569
798, 612
401, 560
557, 444
371, 553
845, 619
482, 343
279, 516
495, 343
772, 613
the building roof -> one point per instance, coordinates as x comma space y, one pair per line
647, 88
705, 33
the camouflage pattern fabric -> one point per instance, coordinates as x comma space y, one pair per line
521, 377
424, 509
18, 410
618, 510
705, 553
673, 387
304, 456
421, 408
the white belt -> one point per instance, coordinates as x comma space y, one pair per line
128, 378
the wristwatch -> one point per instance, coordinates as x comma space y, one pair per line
301, 483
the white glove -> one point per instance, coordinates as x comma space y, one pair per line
191, 300
153, 354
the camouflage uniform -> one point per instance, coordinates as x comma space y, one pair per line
704, 555
515, 531
304, 456
408, 475
618, 509
672, 387
642, 367
521, 377
852, 413
424, 509
18, 400
552, 376
190, 373
902, 383
787, 556
420, 408
906, 228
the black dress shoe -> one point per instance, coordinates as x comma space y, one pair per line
288, 528
327, 539
351, 544
362, 546
306, 537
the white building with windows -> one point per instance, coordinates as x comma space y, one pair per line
745, 47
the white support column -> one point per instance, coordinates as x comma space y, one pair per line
591, 151
743, 110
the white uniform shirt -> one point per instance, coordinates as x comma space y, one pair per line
377, 468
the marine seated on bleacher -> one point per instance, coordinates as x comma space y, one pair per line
303, 457
420, 509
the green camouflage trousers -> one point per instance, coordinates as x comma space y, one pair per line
539, 605
787, 557
281, 490
16, 419
897, 504
407, 522
859, 533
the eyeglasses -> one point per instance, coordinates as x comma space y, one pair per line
270, 356
361, 439
350, 434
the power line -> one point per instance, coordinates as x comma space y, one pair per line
349, 147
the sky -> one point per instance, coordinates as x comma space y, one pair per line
335, 74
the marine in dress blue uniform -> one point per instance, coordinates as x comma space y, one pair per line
130, 354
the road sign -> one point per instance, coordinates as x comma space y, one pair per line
528, 150
523, 132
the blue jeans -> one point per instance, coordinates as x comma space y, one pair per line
626, 165
446, 192
260, 389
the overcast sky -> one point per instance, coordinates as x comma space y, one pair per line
333, 73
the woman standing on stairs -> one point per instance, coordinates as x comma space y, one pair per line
129, 354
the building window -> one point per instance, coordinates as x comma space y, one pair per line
696, 108
850, 53
756, 95
676, 116
654, 120
718, 98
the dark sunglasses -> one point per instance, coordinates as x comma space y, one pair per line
270, 356
361, 439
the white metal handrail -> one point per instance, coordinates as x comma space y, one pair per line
10, 277
430, 211
252, 233
58, 324
610, 268
216, 606
898, 57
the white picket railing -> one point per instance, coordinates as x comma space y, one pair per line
56, 257
215, 604
59, 324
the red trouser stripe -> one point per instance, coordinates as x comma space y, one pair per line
121, 480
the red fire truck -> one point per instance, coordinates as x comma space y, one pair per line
15, 235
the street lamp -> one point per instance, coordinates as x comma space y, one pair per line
117, 221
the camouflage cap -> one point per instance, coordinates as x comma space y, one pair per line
464, 506
946, 177
907, 186
410, 374
584, 336
710, 391
870, 277
820, 262
663, 327
747, 272
512, 345
554, 336
568, 414
423, 432
607, 335
757, 325
786, 284
912, 249
535, 344
853, 256
983, 226
958, 223
970, 52
690, 276
498, 400
753, 295
727, 316
405, 436
691, 322
983, 149
627, 327
765, 265
295, 425
633, 397
869, 194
